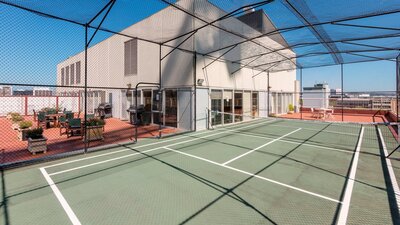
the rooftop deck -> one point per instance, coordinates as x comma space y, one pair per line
115, 131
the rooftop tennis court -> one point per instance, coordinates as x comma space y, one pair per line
258, 172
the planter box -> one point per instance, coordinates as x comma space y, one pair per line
15, 126
22, 134
37, 145
94, 133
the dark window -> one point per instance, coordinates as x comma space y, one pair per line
78, 72
67, 75
72, 66
62, 76
130, 57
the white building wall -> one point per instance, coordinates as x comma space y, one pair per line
106, 59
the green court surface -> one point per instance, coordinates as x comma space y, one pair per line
257, 172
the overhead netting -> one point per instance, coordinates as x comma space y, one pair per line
293, 34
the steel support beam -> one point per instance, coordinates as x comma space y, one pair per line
371, 46
371, 57
85, 99
228, 15
226, 52
367, 27
102, 20
317, 43
221, 28
268, 93
318, 31
342, 92
301, 93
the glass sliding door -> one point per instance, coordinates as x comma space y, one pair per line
171, 108
238, 106
254, 109
246, 105
147, 106
156, 107
228, 107
216, 107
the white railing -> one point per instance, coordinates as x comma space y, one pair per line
26, 104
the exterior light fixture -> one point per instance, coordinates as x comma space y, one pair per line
200, 82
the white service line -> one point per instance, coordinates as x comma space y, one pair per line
115, 152
137, 147
392, 175
150, 150
344, 209
257, 176
277, 139
327, 131
295, 142
71, 215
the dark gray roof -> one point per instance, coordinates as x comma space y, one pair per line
262, 23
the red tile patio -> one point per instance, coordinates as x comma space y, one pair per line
116, 131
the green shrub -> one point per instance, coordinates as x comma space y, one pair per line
25, 124
16, 118
291, 107
36, 133
95, 122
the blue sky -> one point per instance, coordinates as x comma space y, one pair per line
371, 76
31, 46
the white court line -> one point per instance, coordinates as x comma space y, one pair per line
327, 131
294, 142
141, 146
71, 215
115, 152
150, 150
257, 176
392, 175
277, 139
344, 209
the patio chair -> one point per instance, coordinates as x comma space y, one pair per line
51, 111
51, 119
89, 116
62, 121
42, 120
330, 114
74, 125
69, 115
313, 113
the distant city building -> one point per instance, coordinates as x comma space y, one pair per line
384, 103
20, 92
5, 90
359, 103
364, 95
317, 96
364, 101
42, 92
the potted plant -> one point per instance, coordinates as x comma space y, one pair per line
23, 129
94, 129
10, 115
272, 115
36, 141
291, 109
16, 118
